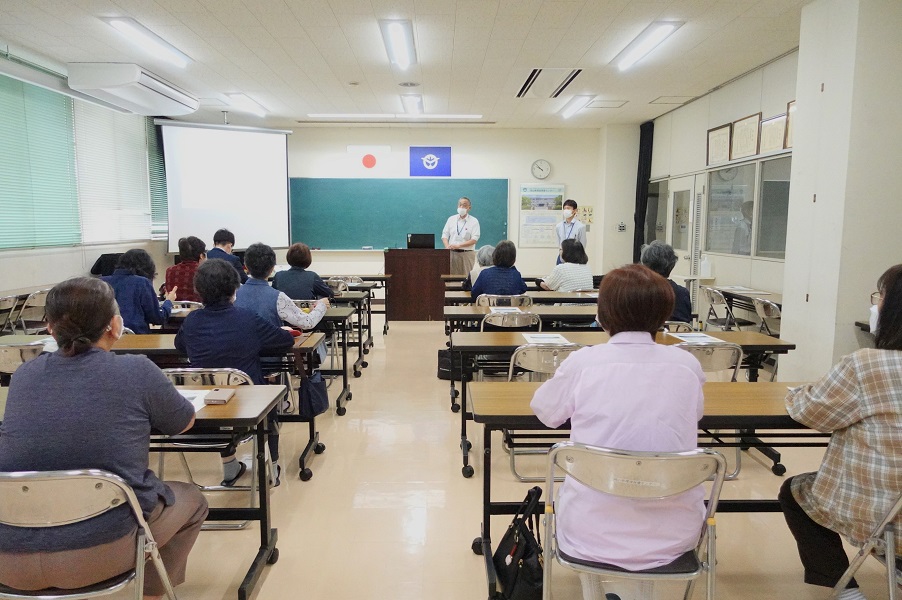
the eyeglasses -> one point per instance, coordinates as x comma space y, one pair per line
876, 297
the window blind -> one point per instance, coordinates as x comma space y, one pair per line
113, 187
38, 194
159, 210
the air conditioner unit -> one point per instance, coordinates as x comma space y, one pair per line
132, 88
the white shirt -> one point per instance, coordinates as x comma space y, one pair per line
290, 313
631, 394
569, 277
458, 231
872, 319
574, 230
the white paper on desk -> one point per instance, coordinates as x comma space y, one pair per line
545, 338
694, 337
504, 309
49, 344
195, 397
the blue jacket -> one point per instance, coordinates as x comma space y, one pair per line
300, 284
137, 301
499, 280
226, 336
682, 307
258, 297
231, 258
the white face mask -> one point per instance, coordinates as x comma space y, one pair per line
568, 213
462, 211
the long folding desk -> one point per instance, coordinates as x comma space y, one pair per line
360, 302
744, 297
338, 319
459, 317
731, 405
755, 346
453, 298
370, 284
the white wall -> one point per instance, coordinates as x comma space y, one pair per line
618, 158
476, 153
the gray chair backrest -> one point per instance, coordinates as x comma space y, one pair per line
7, 306
540, 358
498, 300
716, 356
714, 297
304, 303
513, 320
349, 279
678, 327
14, 355
207, 376
189, 304
769, 313
32, 309
32, 498
337, 285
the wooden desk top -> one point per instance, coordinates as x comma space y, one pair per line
350, 296
164, 343
545, 311
538, 297
489, 341
338, 313
248, 406
365, 278
730, 402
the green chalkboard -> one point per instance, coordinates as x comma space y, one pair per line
348, 214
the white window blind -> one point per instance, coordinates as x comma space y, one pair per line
157, 171
113, 189
38, 196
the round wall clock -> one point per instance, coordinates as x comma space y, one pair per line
541, 169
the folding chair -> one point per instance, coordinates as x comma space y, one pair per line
349, 279
770, 316
881, 544
7, 307
337, 285
30, 317
498, 300
217, 377
645, 476
187, 304
331, 342
12, 356
678, 327
726, 323
32, 499
497, 364
538, 362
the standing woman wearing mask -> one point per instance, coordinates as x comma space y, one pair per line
570, 228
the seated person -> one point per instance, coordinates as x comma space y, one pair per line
180, 277
138, 304
660, 258
221, 335
572, 273
83, 407
860, 401
223, 242
629, 394
483, 261
297, 282
503, 279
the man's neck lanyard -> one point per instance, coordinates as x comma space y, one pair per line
572, 224
458, 225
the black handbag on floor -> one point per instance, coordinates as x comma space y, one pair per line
313, 398
518, 559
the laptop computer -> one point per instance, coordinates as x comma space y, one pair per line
421, 240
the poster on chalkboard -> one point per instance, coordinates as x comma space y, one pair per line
430, 161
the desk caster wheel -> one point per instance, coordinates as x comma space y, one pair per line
466, 445
358, 373
340, 411
778, 469
319, 448
273, 557
455, 393
385, 330
306, 474
366, 351
476, 546
455, 408
467, 471
364, 364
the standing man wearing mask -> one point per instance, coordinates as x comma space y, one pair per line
570, 228
460, 235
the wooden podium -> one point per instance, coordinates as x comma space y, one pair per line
416, 292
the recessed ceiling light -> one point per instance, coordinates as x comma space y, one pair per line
147, 40
576, 104
409, 84
645, 42
398, 39
413, 103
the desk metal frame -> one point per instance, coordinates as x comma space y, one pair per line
338, 319
360, 302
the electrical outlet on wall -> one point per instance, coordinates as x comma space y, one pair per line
621, 227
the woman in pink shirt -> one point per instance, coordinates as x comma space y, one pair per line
629, 394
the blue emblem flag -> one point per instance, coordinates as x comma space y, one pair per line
430, 161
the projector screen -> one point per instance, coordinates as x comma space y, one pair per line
226, 178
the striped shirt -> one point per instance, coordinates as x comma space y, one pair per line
569, 277
860, 402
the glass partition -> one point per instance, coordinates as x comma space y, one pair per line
773, 208
656, 212
679, 234
731, 210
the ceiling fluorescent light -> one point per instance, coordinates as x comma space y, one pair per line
398, 39
645, 42
576, 104
439, 116
245, 103
351, 115
413, 103
147, 40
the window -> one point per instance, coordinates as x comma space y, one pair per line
731, 210
38, 197
159, 211
113, 187
656, 212
773, 208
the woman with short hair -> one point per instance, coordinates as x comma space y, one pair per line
503, 278
132, 283
660, 258
83, 407
573, 273
859, 401
297, 282
483, 261
631, 394
180, 277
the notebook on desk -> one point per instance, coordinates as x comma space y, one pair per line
421, 240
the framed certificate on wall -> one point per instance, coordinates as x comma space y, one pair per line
773, 134
744, 141
719, 144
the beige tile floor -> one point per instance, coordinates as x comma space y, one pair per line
388, 514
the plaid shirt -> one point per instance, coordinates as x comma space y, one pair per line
860, 402
182, 275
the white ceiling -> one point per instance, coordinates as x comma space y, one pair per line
325, 56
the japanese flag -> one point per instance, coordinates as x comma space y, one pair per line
369, 158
